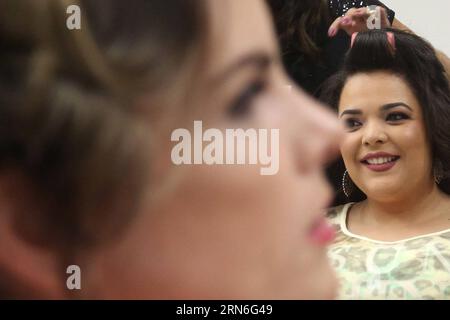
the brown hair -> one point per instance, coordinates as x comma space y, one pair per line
68, 121
299, 25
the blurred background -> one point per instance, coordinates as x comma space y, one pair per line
429, 19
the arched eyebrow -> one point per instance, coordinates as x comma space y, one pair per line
384, 107
389, 106
351, 112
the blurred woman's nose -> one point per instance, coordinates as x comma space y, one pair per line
318, 132
373, 134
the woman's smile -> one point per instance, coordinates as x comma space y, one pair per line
380, 161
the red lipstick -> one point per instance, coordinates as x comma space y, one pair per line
380, 161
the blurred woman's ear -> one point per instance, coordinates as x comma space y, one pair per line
27, 269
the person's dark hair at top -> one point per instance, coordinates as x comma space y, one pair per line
69, 128
300, 25
309, 54
415, 61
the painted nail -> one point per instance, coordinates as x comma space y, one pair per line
332, 32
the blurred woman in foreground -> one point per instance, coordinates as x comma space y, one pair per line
86, 176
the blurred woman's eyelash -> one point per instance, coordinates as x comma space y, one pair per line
241, 105
397, 116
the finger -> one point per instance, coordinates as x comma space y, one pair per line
334, 27
384, 18
358, 12
362, 10
361, 14
345, 21
351, 11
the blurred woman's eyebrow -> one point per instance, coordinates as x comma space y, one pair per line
257, 59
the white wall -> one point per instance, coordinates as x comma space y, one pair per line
429, 19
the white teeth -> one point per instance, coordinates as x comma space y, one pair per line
380, 160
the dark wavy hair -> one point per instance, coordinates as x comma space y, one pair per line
299, 24
415, 60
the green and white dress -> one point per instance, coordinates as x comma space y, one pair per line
414, 268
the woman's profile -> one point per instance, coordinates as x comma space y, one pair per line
86, 176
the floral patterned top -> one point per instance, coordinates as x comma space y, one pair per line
413, 268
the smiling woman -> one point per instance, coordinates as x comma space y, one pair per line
394, 100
